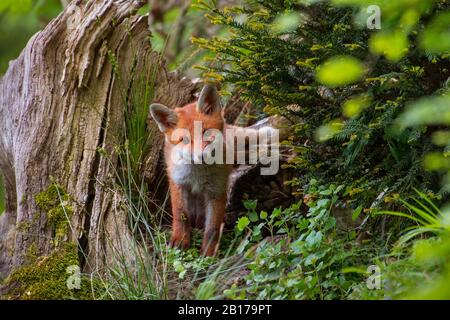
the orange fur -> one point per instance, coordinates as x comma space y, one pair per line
198, 191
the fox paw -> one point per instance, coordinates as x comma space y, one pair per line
181, 242
209, 250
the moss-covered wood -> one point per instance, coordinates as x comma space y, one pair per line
61, 103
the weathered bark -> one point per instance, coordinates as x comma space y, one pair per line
62, 110
60, 102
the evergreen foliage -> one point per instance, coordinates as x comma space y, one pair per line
341, 84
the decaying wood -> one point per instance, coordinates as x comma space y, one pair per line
246, 181
61, 103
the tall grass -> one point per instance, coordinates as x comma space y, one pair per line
424, 273
144, 275
425, 215
151, 272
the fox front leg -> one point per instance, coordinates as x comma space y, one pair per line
215, 215
181, 224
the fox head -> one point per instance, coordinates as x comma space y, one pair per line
192, 129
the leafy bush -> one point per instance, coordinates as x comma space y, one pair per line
369, 113
305, 256
341, 84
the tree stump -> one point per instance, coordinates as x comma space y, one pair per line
60, 103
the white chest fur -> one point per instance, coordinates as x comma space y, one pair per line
201, 178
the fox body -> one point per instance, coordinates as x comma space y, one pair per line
195, 134
198, 191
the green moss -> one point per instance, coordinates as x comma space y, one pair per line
56, 203
46, 278
23, 226
32, 253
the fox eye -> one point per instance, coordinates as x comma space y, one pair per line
184, 140
208, 135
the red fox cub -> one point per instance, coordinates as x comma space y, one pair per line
198, 191
198, 175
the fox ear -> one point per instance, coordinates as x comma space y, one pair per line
208, 101
165, 118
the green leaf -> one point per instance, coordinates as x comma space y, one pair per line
435, 161
242, 223
144, 10
276, 212
323, 203
436, 37
393, 45
257, 230
263, 214
250, 204
430, 110
329, 130
353, 107
297, 246
399, 214
338, 189
339, 71
253, 216
326, 192
314, 238
206, 290
179, 268
356, 213
311, 260
359, 270
286, 22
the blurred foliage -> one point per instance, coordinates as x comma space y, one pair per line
20, 19
331, 72
172, 24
